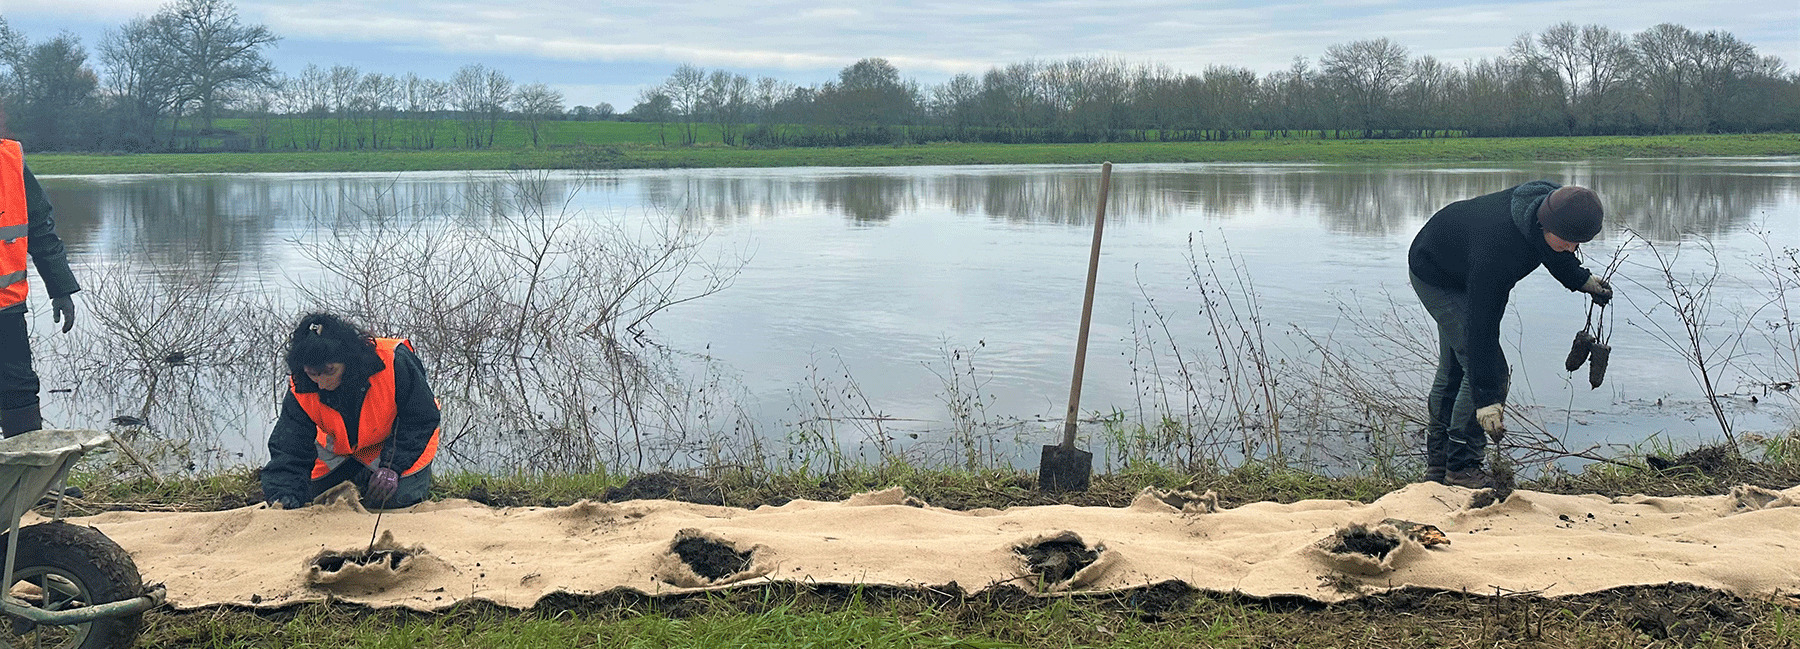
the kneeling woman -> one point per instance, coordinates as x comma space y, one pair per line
358, 409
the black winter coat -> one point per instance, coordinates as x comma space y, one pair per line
1482, 246
293, 445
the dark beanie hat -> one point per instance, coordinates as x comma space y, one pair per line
1572, 213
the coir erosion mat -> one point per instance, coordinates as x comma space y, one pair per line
1426, 536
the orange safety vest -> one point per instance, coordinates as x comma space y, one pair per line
374, 424
15, 224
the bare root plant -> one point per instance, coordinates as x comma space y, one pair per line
1208, 412
1686, 298
535, 322
972, 428
1778, 372
829, 410
1365, 393
1239, 335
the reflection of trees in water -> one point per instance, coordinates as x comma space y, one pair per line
231, 219
1660, 199
170, 221
868, 199
1665, 200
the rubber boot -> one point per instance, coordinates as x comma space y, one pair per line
20, 420
1435, 473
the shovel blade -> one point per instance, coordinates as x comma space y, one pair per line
1064, 469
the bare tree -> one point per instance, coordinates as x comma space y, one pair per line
142, 78
213, 51
1586, 62
496, 94
727, 100
654, 106
1366, 74
686, 90
380, 97
536, 103
468, 93
424, 98
1665, 55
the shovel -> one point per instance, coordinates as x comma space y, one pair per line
1064, 467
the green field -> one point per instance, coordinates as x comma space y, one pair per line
631, 153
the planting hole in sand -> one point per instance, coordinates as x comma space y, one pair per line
1365, 550
332, 562
711, 559
1365, 542
1058, 558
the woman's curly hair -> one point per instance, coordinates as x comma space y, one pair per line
322, 339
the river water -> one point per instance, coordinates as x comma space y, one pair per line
898, 288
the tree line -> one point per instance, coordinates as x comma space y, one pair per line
164, 80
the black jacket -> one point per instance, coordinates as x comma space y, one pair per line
45, 248
1483, 246
293, 445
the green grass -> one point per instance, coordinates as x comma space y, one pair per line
1165, 615
630, 155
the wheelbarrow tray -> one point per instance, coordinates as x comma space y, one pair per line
29, 464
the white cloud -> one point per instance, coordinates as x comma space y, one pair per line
933, 39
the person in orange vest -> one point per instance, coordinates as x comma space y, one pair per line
358, 409
26, 229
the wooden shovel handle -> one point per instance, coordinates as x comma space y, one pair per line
1087, 310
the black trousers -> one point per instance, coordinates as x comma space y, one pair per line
18, 382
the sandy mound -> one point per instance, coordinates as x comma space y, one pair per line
436, 554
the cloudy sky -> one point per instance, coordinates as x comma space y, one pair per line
607, 51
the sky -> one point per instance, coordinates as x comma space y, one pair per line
608, 51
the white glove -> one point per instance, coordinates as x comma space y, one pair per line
1492, 421
1599, 288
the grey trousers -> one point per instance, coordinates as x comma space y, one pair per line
1453, 439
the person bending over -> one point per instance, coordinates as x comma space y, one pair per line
358, 409
1463, 265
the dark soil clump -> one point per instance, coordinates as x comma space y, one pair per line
1365, 542
1057, 560
1707, 460
1578, 350
1685, 615
668, 485
711, 559
336, 562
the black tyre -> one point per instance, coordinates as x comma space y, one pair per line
63, 566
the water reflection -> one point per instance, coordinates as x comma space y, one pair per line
234, 218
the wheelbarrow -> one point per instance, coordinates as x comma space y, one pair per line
66, 585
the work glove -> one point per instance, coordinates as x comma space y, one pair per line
62, 309
382, 485
1492, 421
1599, 288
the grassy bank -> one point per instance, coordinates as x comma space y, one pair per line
1164, 615
635, 156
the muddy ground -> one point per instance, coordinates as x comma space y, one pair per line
1651, 616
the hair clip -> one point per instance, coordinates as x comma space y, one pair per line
317, 329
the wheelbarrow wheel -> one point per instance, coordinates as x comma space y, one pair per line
62, 566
